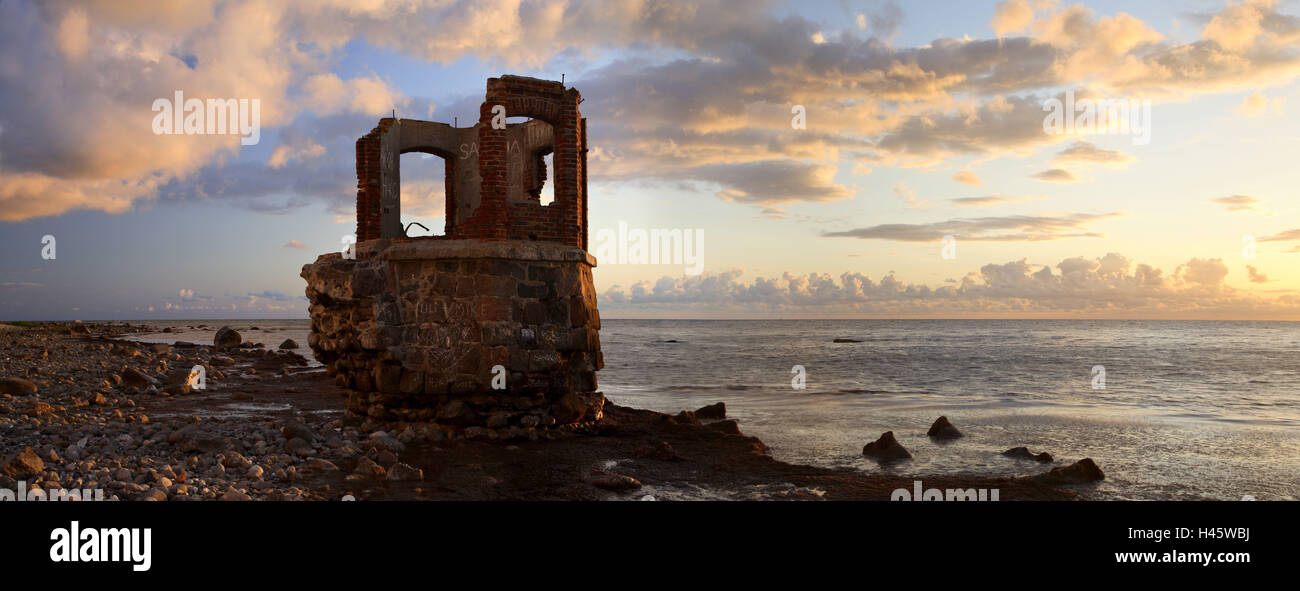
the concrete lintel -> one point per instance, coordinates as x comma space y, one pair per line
483, 249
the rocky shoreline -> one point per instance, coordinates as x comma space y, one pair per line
82, 409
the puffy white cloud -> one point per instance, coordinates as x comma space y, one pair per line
1011, 16
967, 178
327, 94
1257, 104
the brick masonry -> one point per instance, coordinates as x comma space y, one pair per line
487, 206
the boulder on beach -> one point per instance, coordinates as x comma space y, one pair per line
277, 360
886, 449
17, 387
1080, 472
1023, 453
227, 338
289, 344
22, 464
713, 411
942, 429
137, 379
295, 429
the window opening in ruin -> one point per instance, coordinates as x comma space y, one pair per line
423, 191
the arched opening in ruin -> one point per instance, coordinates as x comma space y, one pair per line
526, 181
424, 188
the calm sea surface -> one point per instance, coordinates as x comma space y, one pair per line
1188, 410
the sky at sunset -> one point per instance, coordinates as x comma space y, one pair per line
922, 119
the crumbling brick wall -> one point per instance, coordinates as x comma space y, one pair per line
504, 205
369, 181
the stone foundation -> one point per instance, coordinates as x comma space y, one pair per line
413, 329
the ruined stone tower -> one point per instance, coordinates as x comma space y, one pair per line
492, 325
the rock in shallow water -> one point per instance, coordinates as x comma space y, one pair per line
942, 429
227, 338
712, 411
1023, 453
612, 481
367, 467
886, 449
1080, 472
404, 472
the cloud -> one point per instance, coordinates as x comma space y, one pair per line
1108, 286
908, 195
1286, 236
1237, 202
1020, 228
1011, 16
20, 285
1088, 153
989, 200
1255, 275
1056, 175
283, 153
424, 198
773, 182
1203, 272
327, 94
1257, 104
967, 178
273, 295
295, 244
693, 91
